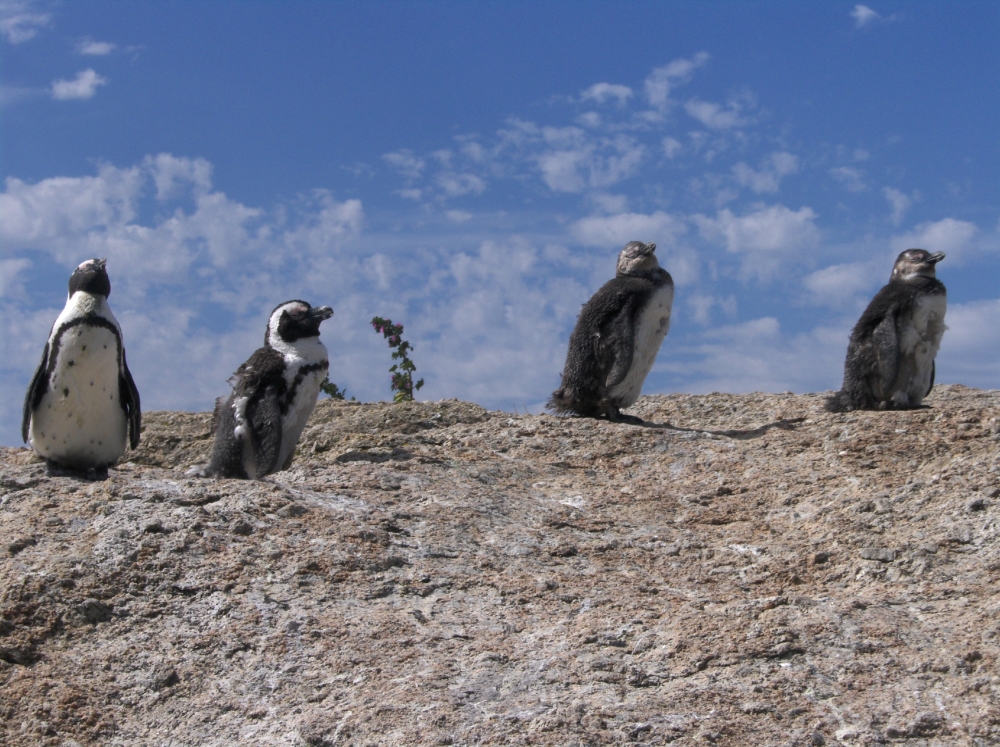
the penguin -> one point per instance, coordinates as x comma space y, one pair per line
616, 338
82, 407
274, 392
890, 356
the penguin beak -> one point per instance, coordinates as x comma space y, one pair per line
321, 312
101, 263
935, 258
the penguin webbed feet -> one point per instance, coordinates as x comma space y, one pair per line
91, 474
614, 415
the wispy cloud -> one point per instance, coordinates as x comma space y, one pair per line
852, 179
662, 80
715, 116
83, 86
864, 16
899, 203
601, 92
617, 230
405, 163
954, 237
768, 177
767, 237
842, 286
20, 21
95, 48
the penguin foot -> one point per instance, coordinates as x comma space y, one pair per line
94, 474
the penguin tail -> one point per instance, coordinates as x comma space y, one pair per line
837, 402
561, 402
220, 403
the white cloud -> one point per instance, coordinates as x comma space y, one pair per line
84, 86
608, 203
701, 306
768, 236
954, 237
899, 202
618, 230
458, 216
843, 286
662, 80
601, 92
864, 16
768, 178
19, 22
852, 178
591, 164
174, 175
671, 147
757, 356
714, 116
9, 270
455, 185
405, 163
62, 209
970, 349
95, 48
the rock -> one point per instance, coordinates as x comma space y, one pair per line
774, 574
95, 611
880, 554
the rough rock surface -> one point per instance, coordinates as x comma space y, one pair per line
748, 570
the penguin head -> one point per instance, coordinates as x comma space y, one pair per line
914, 263
637, 259
294, 320
91, 277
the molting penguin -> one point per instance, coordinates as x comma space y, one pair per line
890, 357
274, 393
616, 338
82, 406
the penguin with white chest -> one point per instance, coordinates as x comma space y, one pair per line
274, 392
82, 407
890, 356
616, 338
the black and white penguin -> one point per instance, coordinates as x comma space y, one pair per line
890, 356
258, 425
82, 407
616, 338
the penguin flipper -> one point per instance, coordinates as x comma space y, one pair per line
263, 415
129, 397
615, 347
886, 347
931, 385
36, 390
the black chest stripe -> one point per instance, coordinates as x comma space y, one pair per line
299, 377
90, 320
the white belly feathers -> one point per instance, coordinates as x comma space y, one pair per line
80, 421
919, 340
650, 329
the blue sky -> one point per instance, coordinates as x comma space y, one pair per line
472, 169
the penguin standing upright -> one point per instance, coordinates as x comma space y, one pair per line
890, 356
616, 338
274, 393
82, 406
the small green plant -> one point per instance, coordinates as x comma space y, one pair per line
402, 372
334, 391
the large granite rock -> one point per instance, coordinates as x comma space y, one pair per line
747, 570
